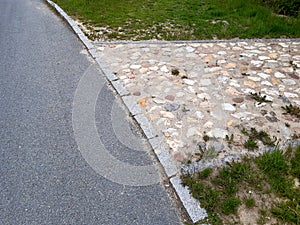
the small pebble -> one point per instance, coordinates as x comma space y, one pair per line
172, 107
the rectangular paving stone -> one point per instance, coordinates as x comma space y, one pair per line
146, 126
191, 205
93, 53
77, 30
85, 41
119, 88
132, 105
163, 156
110, 76
72, 24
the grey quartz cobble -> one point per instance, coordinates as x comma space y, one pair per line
199, 166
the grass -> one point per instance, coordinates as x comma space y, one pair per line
259, 98
229, 139
180, 20
175, 72
292, 110
254, 136
267, 183
208, 153
251, 144
249, 202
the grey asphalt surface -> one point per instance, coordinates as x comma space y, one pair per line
44, 179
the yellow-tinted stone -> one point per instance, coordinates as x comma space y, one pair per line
142, 102
229, 123
268, 71
153, 116
143, 70
250, 83
273, 55
208, 59
275, 80
230, 66
232, 91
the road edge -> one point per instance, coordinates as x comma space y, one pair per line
191, 205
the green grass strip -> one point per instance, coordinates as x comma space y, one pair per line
182, 20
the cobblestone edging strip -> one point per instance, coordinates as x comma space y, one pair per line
192, 207
154, 42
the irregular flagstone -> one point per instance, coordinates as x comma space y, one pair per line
267, 83
204, 96
255, 79
279, 75
189, 82
218, 133
250, 83
172, 107
230, 65
228, 107
290, 95
232, 91
275, 81
205, 82
289, 82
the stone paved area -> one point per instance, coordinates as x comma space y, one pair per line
192, 91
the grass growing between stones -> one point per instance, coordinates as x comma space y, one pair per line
262, 190
254, 136
259, 98
292, 110
180, 20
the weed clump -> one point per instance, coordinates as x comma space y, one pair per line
250, 144
175, 72
292, 110
208, 153
206, 138
259, 98
229, 139
249, 202
254, 136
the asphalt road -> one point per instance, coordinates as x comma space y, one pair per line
46, 178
